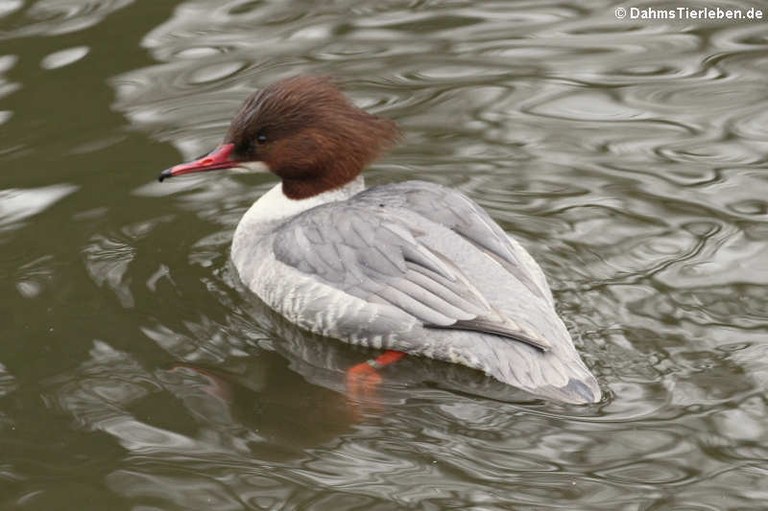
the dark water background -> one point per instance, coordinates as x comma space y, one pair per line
628, 156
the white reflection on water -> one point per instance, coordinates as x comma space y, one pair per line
17, 205
7, 381
64, 58
52, 17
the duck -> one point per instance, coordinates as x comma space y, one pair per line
407, 268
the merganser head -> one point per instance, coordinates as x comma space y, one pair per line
304, 130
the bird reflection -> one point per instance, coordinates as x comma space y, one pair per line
271, 398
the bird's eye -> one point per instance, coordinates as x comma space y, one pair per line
261, 138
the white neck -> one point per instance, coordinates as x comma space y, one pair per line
268, 213
274, 205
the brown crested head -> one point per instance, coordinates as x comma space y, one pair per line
308, 133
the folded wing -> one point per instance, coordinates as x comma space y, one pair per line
380, 254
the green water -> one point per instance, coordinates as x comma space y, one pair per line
629, 156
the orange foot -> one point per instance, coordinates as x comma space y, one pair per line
363, 379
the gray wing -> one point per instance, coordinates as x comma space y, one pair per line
459, 213
379, 254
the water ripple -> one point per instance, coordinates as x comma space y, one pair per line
628, 156
53, 17
19, 205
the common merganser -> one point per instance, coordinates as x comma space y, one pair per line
410, 267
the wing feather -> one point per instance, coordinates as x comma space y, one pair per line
381, 255
460, 214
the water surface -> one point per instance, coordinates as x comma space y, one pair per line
629, 157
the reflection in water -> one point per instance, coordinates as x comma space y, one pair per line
54, 17
232, 411
64, 57
17, 205
7, 382
628, 156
